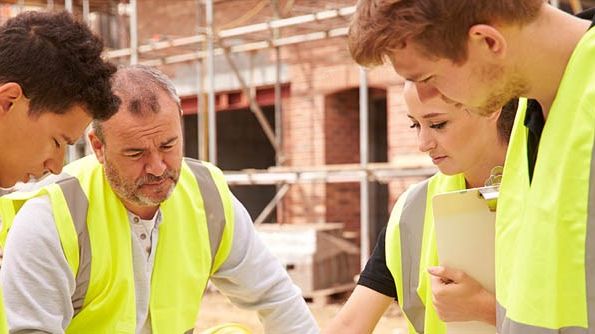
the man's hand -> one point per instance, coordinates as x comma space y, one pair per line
458, 297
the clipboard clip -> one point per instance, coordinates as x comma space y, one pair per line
490, 195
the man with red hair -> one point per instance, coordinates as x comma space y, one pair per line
479, 54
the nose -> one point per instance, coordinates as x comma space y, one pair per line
54, 162
155, 165
425, 140
426, 91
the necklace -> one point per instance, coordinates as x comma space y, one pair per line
495, 176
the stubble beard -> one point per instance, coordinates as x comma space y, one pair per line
131, 191
514, 86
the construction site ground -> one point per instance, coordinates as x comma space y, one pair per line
216, 309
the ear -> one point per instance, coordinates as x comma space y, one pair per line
10, 92
487, 38
97, 146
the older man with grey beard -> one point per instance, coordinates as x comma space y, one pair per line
131, 235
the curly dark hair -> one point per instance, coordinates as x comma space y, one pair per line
57, 62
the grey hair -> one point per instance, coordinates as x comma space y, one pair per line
136, 86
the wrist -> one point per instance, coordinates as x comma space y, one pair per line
487, 309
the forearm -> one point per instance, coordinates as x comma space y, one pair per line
353, 318
252, 278
264, 287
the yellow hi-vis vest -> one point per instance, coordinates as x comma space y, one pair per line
195, 238
411, 248
545, 230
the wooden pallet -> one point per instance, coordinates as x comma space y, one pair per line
329, 295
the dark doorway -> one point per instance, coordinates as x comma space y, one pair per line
242, 144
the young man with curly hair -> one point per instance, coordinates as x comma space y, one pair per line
53, 82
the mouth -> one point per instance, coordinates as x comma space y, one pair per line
29, 177
155, 183
438, 159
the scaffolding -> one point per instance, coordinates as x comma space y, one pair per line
330, 23
275, 33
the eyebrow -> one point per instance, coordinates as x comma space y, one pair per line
137, 150
430, 115
169, 141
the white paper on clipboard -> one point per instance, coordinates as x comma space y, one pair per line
465, 231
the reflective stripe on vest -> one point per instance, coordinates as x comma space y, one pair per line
411, 248
78, 206
545, 242
411, 238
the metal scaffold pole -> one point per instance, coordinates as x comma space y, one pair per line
133, 34
72, 155
279, 156
237, 32
86, 11
363, 152
211, 80
278, 101
200, 98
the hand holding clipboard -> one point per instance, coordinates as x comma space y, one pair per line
465, 226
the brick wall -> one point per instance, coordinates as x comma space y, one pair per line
341, 127
402, 140
324, 71
303, 132
342, 147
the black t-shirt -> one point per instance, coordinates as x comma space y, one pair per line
376, 275
588, 14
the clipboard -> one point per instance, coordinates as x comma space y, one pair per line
465, 232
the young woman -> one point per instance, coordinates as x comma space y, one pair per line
465, 147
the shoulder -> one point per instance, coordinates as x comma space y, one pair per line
413, 193
33, 224
199, 165
37, 208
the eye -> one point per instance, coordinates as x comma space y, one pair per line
56, 142
134, 155
167, 147
438, 126
414, 126
426, 80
